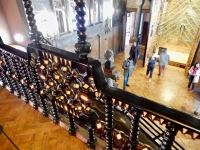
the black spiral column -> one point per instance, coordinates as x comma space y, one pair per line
55, 112
2, 73
91, 138
34, 34
19, 75
135, 128
72, 126
3, 78
109, 123
169, 136
82, 48
44, 103
8, 67
27, 81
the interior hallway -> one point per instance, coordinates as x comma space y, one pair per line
167, 89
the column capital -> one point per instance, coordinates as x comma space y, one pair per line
140, 2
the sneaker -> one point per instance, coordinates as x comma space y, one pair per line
127, 84
191, 91
150, 80
187, 89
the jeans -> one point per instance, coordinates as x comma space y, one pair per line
150, 69
190, 82
126, 80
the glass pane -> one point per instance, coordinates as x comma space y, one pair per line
61, 23
60, 15
96, 10
87, 16
72, 14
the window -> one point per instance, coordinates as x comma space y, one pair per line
61, 16
96, 11
65, 14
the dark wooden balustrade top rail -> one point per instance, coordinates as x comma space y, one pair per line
186, 120
14, 51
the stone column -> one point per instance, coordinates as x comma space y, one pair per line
137, 20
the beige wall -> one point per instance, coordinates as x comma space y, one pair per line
4, 29
102, 43
180, 25
12, 15
158, 13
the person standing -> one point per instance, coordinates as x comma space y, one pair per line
151, 66
134, 52
163, 61
128, 68
194, 73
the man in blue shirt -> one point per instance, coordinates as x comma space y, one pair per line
128, 68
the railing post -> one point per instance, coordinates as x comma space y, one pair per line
18, 74
44, 103
72, 126
3, 79
135, 128
2, 73
8, 70
169, 136
90, 118
82, 48
109, 122
26, 78
34, 34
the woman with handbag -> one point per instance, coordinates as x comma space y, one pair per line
194, 73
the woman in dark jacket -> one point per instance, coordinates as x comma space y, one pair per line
151, 66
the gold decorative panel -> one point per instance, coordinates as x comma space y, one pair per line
180, 25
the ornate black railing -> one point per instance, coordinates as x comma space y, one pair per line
71, 89
62, 87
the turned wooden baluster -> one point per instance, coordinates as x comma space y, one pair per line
91, 138
34, 34
2, 73
109, 122
27, 79
8, 66
54, 107
44, 102
72, 126
19, 75
90, 118
3, 79
169, 136
135, 128
82, 48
